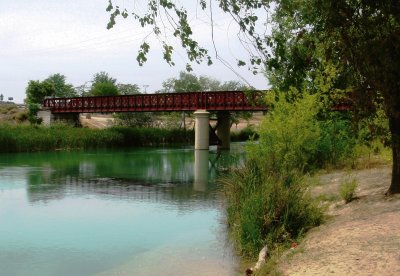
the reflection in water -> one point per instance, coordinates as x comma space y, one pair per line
81, 213
157, 175
201, 170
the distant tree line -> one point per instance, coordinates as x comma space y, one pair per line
102, 84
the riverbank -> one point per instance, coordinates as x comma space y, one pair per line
358, 238
28, 138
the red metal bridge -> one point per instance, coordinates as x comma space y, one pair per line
187, 101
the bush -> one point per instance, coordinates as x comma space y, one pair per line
267, 209
347, 189
267, 200
244, 135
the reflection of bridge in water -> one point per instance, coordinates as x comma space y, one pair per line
179, 193
84, 178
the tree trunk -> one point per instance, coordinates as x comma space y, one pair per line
394, 125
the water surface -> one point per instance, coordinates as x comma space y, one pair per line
119, 212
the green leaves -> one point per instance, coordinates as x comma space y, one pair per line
110, 6
144, 50
163, 13
168, 54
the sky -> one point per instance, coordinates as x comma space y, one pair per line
43, 37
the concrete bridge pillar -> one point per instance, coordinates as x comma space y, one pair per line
49, 118
201, 131
46, 116
224, 129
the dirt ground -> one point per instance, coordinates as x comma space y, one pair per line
358, 238
101, 121
96, 121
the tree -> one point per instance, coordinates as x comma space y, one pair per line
103, 77
209, 84
187, 83
36, 92
360, 37
61, 88
103, 85
104, 89
128, 89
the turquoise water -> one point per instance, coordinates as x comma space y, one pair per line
120, 212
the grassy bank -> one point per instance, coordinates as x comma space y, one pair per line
268, 199
27, 138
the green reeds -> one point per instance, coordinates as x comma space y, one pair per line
27, 138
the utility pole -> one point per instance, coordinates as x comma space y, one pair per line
145, 88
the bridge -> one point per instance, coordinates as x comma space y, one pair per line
201, 103
187, 101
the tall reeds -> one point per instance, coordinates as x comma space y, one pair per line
27, 138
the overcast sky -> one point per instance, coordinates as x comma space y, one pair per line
42, 37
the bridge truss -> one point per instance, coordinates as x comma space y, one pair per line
187, 101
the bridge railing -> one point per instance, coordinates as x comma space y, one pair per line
188, 101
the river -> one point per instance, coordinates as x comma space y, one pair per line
147, 211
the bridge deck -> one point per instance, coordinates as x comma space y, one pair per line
188, 101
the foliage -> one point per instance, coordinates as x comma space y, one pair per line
103, 77
26, 138
135, 119
128, 89
103, 85
188, 82
37, 91
104, 89
347, 189
268, 199
293, 138
61, 88
245, 134
267, 209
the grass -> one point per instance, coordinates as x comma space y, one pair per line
10, 113
347, 189
272, 210
27, 138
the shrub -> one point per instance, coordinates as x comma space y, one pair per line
21, 116
244, 135
268, 210
268, 201
347, 189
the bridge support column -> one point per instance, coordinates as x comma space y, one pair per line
46, 116
224, 129
49, 118
69, 118
201, 131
